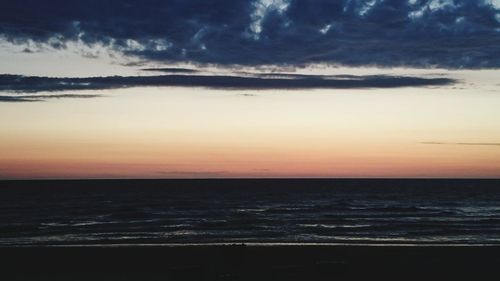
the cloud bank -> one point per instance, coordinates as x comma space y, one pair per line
34, 84
414, 33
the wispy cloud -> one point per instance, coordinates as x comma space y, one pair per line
462, 143
171, 70
194, 174
14, 99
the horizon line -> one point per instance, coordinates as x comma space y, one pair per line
250, 178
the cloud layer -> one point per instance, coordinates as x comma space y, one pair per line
24, 85
418, 33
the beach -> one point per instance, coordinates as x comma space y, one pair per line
248, 262
249, 230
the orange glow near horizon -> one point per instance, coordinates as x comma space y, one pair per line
202, 133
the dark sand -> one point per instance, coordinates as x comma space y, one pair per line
239, 262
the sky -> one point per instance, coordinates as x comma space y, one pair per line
249, 89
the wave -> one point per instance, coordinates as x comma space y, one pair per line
199, 214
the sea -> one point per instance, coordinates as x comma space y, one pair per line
250, 211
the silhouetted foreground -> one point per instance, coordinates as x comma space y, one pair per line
248, 263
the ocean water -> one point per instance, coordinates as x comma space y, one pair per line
249, 211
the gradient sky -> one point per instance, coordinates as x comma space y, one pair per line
245, 89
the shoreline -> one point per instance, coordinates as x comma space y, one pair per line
255, 244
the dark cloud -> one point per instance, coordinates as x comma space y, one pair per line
463, 143
34, 84
13, 99
31, 98
171, 70
421, 33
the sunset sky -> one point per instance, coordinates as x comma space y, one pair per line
265, 88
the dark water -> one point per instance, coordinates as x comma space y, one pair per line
234, 211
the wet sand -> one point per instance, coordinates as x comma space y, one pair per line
239, 262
